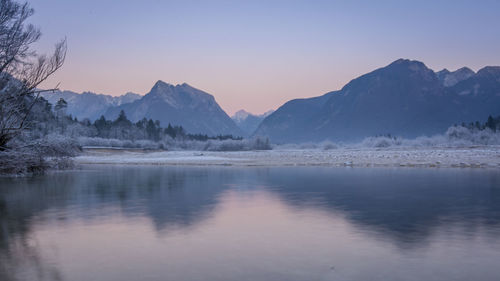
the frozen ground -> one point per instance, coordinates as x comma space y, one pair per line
478, 156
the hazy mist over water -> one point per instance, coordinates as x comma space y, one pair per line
225, 223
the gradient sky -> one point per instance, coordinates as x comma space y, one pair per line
257, 55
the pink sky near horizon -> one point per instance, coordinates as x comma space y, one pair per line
257, 55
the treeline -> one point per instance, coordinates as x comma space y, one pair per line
52, 122
124, 129
35, 136
491, 123
121, 128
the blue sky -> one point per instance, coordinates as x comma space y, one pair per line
258, 54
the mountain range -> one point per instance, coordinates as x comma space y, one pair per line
196, 111
88, 105
405, 98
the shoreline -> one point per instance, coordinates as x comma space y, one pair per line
436, 157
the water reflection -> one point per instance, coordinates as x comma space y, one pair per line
209, 223
404, 204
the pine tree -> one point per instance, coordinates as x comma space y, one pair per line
60, 108
491, 123
152, 131
122, 119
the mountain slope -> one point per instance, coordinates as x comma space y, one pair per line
450, 79
89, 105
404, 98
193, 109
289, 122
249, 122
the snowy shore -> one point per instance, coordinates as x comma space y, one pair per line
474, 157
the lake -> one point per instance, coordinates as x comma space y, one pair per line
251, 223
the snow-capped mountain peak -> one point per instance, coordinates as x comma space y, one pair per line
241, 115
249, 122
88, 104
452, 78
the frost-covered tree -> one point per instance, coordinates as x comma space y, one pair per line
21, 68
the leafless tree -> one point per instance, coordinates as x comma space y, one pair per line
21, 68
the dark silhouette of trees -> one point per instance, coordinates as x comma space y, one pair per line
61, 105
490, 123
153, 130
122, 120
123, 128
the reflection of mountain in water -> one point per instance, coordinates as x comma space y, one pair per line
405, 206
170, 197
173, 196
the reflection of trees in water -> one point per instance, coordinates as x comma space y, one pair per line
402, 205
170, 197
166, 195
18, 252
405, 206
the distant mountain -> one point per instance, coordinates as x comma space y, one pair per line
89, 105
452, 78
249, 122
193, 109
404, 98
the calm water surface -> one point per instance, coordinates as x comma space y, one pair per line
225, 223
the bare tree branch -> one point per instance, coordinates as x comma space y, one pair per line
22, 70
